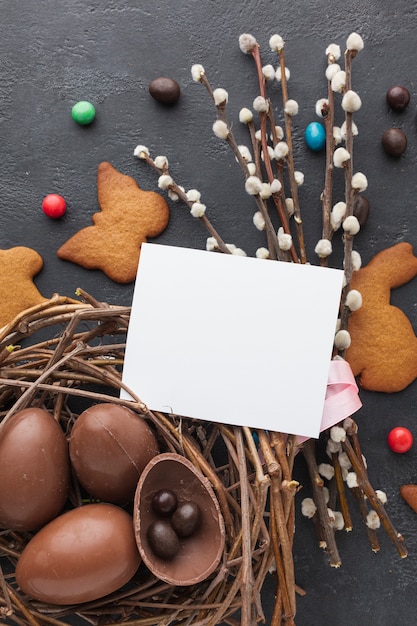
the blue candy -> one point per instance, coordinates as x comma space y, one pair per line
315, 136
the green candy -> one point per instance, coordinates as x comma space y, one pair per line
83, 113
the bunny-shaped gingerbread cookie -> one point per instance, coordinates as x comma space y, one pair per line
383, 352
128, 216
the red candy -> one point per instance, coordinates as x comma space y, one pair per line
400, 439
54, 205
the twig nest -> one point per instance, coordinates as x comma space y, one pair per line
176, 557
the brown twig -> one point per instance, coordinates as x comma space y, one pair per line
290, 161
247, 574
327, 195
341, 492
363, 481
318, 497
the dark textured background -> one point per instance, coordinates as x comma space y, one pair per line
54, 53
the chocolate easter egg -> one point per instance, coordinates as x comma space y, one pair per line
81, 555
34, 470
199, 553
109, 447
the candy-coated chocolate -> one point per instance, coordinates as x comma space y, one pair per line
164, 502
54, 205
81, 555
400, 439
315, 136
163, 539
398, 97
34, 470
361, 209
394, 141
186, 518
109, 447
165, 90
83, 113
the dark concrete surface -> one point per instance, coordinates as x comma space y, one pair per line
54, 53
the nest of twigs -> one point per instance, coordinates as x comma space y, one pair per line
80, 362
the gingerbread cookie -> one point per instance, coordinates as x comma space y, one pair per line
383, 351
18, 267
129, 215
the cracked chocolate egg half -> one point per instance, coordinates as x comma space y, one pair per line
189, 559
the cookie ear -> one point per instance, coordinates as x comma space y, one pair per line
396, 264
115, 189
28, 259
18, 266
154, 213
121, 196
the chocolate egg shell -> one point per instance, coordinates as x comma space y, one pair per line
34, 470
109, 447
199, 554
81, 555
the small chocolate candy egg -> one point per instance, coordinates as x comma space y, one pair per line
163, 539
164, 502
80, 556
186, 519
394, 141
109, 447
361, 209
398, 97
165, 90
34, 470
315, 136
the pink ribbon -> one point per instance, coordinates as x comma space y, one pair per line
342, 397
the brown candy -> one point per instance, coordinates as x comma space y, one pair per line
165, 90
398, 97
164, 502
394, 141
163, 539
361, 209
186, 518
